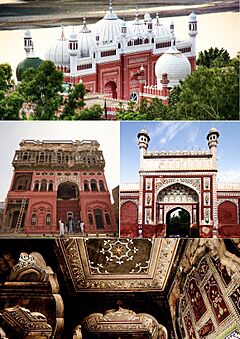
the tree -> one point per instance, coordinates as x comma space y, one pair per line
10, 106
213, 58
6, 81
42, 87
208, 94
94, 112
154, 110
74, 101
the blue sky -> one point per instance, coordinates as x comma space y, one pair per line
176, 134
105, 132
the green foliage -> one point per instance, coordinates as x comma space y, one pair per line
207, 94
213, 58
154, 110
91, 113
74, 101
42, 87
6, 81
10, 106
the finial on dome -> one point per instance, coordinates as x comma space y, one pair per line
110, 6
62, 34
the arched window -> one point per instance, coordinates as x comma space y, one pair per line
50, 186
107, 217
48, 219
34, 219
41, 159
94, 187
98, 218
101, 186
90, 218
36, 186
86, 185
43, 185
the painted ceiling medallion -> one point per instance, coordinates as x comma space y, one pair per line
118, 264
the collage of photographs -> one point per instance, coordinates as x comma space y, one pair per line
120, 169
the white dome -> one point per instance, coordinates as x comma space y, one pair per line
173, 63
192, 17
108, 28
73, 36
58, 51
159, 30
86, 41
147, 17
27, 34
138, 27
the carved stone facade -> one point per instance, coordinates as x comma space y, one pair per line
178, 195
59, 182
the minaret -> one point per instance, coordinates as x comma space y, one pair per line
124, 28
143, 140
73, 52
192, 31
212, 138
27, 42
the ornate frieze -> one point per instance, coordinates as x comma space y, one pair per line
28, 269
122, 321
194, 183
27, 322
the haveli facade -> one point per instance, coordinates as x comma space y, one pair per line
57, 181
178, 195
109, 58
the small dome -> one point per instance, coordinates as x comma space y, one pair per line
213, 130
32, 61
147, 17
108, 28
27, 34
58, 51
159, 30
192, 17
86, 41
138, 27
73, 36
173, 63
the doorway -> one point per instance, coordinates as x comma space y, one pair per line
178, 223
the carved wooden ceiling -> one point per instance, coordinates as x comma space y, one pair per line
117, 264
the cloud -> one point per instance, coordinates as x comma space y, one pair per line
167, 130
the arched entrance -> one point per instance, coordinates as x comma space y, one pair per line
178, 223
110, 88
134, 87
68, 205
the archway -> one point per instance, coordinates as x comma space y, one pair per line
129, 220
134, 87
110, 88
68, 205
178, 223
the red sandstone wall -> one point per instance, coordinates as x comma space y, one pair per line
129, 220
228, 223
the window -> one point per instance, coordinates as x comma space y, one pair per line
48, 219
98, 218
36, 186
107, 217
94, 187
43, 185
34, 219
108, 53
86, 185
90, 218
101, 186
50, 186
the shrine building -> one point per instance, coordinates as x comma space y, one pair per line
56, 180
178, 195
113, 56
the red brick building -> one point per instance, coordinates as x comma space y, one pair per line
107, 58
178, 195
57, 181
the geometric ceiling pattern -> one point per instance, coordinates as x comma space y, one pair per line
117, 264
